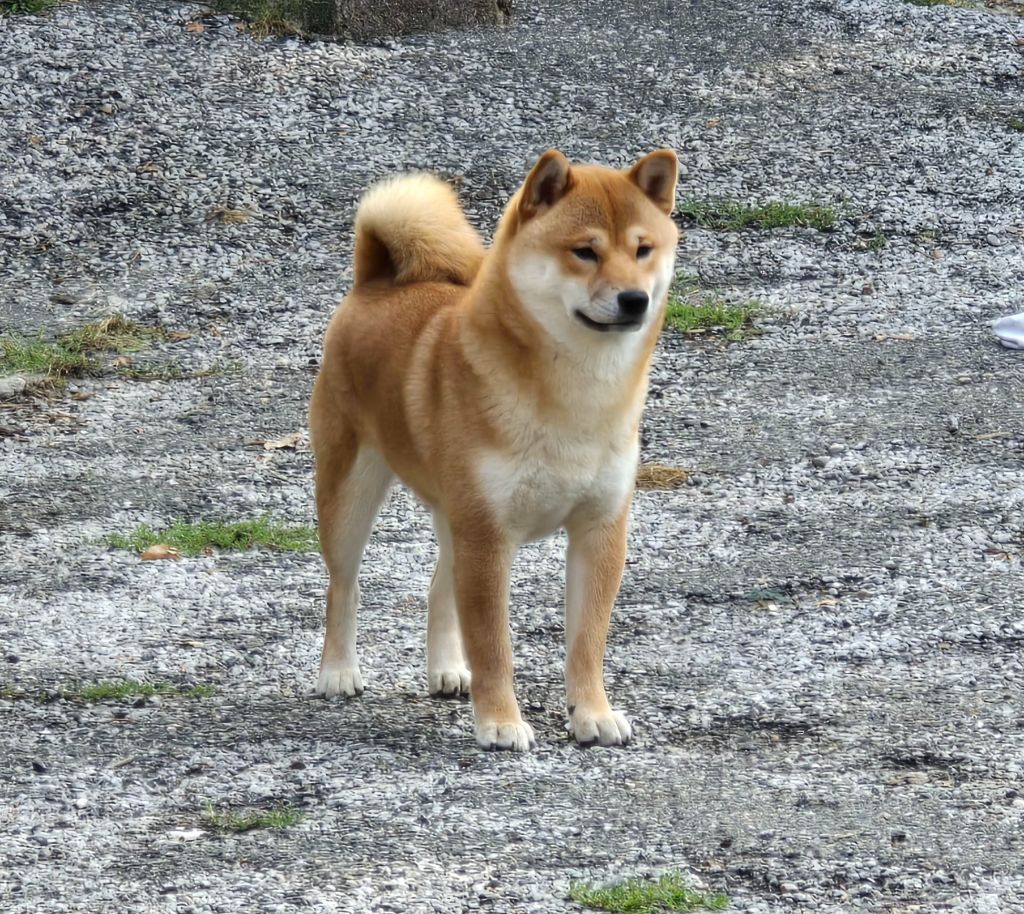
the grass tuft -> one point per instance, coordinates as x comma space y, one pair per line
731, 216
201, 537
961, 4
113, 691
691, 309
19, 355
26, 6
1016, 123
637, 896
74, 353
239, 822
112, 334
268, 17
713, 314
658, 476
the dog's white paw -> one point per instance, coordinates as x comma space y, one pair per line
449, 683
599, 728
339, 680
514, 735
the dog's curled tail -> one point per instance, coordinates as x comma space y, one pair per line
412, 229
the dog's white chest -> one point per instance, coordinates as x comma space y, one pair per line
533, 492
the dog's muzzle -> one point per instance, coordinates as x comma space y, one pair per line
632, 306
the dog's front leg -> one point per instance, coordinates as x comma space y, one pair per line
594, 563
482, 567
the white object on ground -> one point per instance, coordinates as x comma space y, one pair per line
1010, 331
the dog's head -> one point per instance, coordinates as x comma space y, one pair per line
591, 250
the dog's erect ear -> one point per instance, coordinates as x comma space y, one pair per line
546, 183
656, 175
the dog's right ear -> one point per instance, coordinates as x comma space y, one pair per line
545, 185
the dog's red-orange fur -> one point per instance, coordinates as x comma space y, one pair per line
467, 374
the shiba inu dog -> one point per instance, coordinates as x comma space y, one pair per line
504, 386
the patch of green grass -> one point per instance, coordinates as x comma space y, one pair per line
962, 4
1016, 123
238, 821
19, 355
112, 334
26, 6
637, 896
112, 691
109, 691
692, 309
713, 313
201, 536
732, 216
274, 17
73, 353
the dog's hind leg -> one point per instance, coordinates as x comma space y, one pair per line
447, 673
351, 484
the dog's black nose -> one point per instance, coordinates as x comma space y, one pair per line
633, 302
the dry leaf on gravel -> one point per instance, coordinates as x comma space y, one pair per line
195, 27
275, 444
176, 336
160, 551
227, 215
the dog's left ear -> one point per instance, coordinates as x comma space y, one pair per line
546, 184
656, 175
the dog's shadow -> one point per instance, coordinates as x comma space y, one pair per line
415, 725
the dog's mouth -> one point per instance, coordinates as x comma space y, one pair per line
626, 325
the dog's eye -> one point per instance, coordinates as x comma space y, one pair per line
586, 254
644, 251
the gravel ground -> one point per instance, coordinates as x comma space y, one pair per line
819, 640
